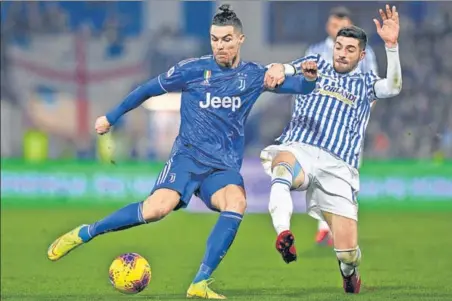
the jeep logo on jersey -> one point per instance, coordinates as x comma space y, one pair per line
226, 102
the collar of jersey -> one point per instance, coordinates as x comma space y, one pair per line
240, 64
355, 71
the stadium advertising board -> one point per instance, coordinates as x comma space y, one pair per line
63, 183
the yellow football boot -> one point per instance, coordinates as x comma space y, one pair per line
201, 290
64, 244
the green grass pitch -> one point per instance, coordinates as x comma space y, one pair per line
406, 256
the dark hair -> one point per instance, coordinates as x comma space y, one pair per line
356, 33
341, 12
227, 17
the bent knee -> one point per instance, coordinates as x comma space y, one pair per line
160, 204
236, 205
282, 170
351, 256
234, 200
155, 209
285, 165
284, 157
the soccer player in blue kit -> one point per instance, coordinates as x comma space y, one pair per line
218, 93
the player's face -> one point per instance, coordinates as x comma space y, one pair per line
346, 54
334, 24
226, 43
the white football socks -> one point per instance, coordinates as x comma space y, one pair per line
349, 260
347, 269
280, 205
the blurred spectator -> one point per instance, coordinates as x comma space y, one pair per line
416, 124
54, 18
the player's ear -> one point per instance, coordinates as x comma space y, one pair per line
362, 55
241, 39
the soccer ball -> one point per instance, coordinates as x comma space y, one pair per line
130, 273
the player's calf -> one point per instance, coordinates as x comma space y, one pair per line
231, 201
286, 173
281, 208
280, 205
345, 239
154, 208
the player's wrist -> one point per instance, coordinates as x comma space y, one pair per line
392, 46
111, 117
310, 78
289, 69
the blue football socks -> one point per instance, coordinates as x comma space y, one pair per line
218, 244
126, 217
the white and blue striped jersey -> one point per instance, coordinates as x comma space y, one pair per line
334, 116
325, 49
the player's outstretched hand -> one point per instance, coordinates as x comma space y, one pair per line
389, 31
274, 76
102, 125
309, 69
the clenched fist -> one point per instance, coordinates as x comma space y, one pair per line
309, 70
274, 76
102, 125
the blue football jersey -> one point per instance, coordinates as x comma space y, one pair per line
215, 104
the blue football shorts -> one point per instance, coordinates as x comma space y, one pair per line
189, 177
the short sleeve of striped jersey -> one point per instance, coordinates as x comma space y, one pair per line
313, 57
370, 79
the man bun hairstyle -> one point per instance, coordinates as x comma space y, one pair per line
227, 17
356, 33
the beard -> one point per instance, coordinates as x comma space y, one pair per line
228, 64
350, 66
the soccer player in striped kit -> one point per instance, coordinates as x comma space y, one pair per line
339, 17
319, 149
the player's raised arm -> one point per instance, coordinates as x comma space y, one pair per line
301, 84
171, 81
389, 32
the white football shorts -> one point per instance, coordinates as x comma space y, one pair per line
332, 185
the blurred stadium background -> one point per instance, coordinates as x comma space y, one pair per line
65, 63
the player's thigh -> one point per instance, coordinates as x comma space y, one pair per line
173, 188
224, 190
